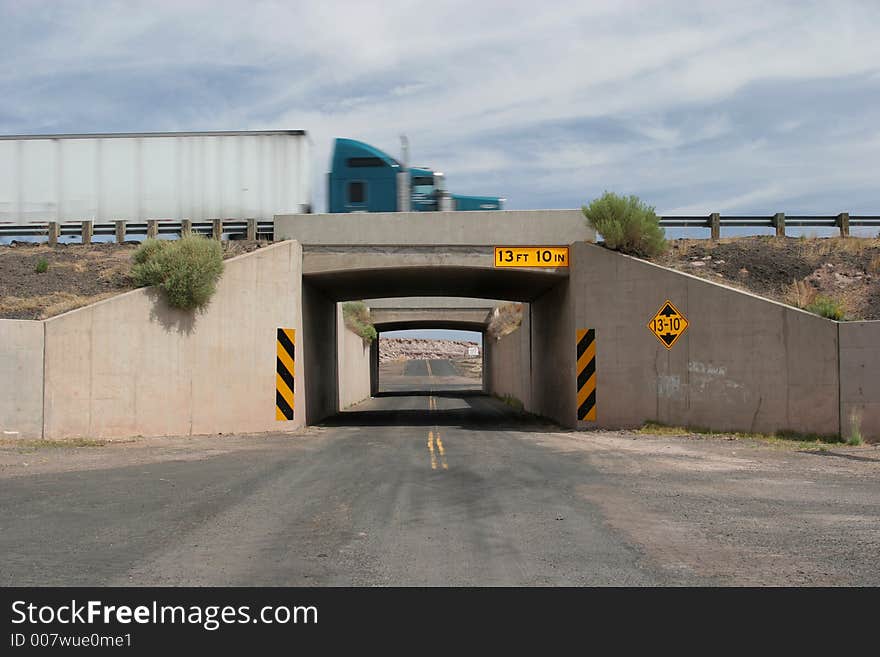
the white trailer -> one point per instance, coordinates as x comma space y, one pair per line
135, 177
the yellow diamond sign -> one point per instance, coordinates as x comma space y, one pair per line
668, 324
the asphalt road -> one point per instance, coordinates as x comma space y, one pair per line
445, 487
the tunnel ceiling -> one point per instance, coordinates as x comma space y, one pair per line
485, 283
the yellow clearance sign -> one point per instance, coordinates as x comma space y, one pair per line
531, 256
668, 324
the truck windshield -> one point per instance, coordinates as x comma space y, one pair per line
423, 184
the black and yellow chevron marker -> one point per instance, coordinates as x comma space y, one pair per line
284, 372
586, 374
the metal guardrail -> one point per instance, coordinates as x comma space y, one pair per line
254, 229
86, 230
714, 222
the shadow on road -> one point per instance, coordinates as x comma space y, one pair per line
851, 457
448, 394
481, 411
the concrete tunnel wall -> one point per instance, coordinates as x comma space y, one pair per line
355, 376
507, 364
319, 354
131, 365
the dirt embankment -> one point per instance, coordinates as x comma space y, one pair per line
791, 270
75, 275
391, 349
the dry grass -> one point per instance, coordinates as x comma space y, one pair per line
781, 439
874, 266
49, 305
26, 446
800, 294
505, 319
72, 302
233, 248
819, 247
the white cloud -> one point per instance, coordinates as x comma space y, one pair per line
547, 101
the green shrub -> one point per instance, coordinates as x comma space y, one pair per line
357, 318
42, 266
627, 224
148, 249
186, 270
855, 437
827, 307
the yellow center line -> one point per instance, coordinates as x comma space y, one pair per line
442, 452
431, 449
428, 363
432, 406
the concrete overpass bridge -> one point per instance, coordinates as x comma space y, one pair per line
409, 313
131, 365
448, 254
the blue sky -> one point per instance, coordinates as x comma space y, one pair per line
747, 107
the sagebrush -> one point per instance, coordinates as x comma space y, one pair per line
627, 224
357, 318
186, 270
827, 307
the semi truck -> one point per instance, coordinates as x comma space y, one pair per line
364, 179
202, 176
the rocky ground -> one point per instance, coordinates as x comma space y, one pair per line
391, 349
791, 270
77, 275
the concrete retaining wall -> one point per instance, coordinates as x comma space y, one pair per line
860, 379
354, 364
508, 364
21, 378
521, 227
743, 364
131, 365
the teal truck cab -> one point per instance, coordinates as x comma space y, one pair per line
364, 179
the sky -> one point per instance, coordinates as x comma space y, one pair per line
697, 107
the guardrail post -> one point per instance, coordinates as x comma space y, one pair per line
186, 226
779, 223
715, 226
217, 229
120, 231
251, 230
152, 228
54, 232
843, 223
88, 229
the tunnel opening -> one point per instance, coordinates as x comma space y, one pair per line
424, 361
454, 291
